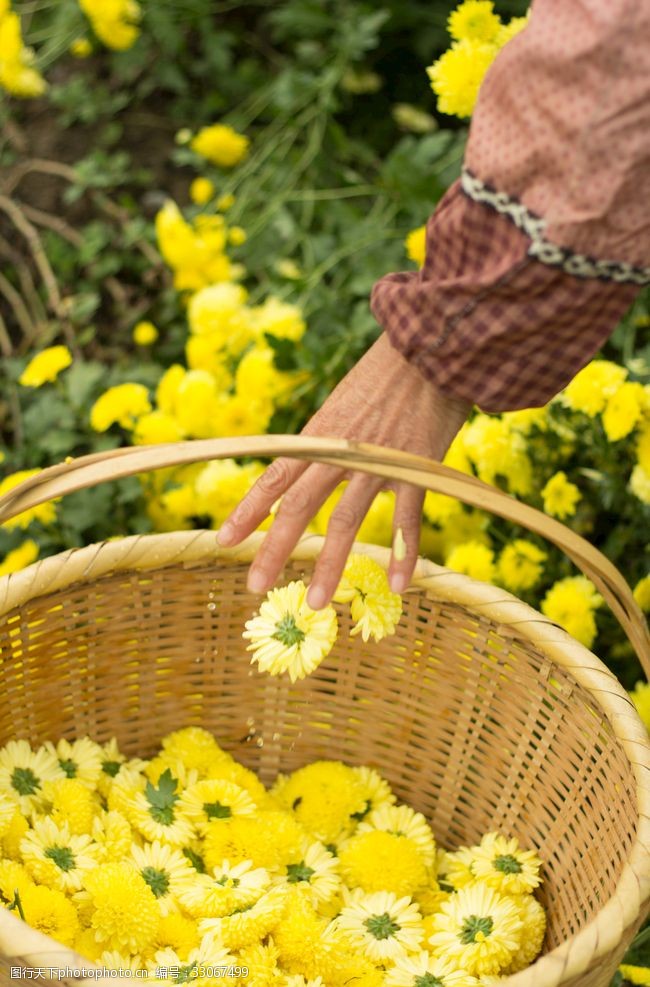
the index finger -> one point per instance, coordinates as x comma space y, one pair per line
257, 504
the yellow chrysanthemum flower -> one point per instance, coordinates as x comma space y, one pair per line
473, 559
429, 898
280, 319
424, 968
125, 911
55, 857
381, 861
375, 789
520, 565
115, 767
165, 869
623, 410
640, 696
229, 888
156, 427
251, 924
571, 603
164, 762
231, 770
533, 917
43, 513
639, 975
112, 833
144, 333
120, 405
50, 912
317, 871
201, 190
300, 938
642, 593
154, 811
478, 929
216, 799
560, 496
221, 145
13, 835
13, 878
502, 865
46, 366
402, 820
325, 797
639, 483
114, 23
79, 759
287, 635
71, 803
382, 925
416, 245
457, 75
177, 932
23, 772
198, 968
593, 386
474, 20
17, 75
19, 558
8, 806
364, 585
458, 868
269, 839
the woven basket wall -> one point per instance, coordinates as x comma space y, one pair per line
480, 713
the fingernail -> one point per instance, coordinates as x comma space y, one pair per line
257, 582
399, 546
398, 582
316, 597
226, 534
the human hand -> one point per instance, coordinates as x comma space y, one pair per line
384, 400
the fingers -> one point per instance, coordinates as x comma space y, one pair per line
256, 505
297, 507
406, 536
341, 531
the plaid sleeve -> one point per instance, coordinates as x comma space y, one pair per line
487, 322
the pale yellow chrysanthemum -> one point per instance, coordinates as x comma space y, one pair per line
478, 929
318, 871
125, 912
19, 557
416, 245
43, 513
364, 585
269, 839
571, 603
381, 861
164, 869
459, 868
593, 386
402, 820
195, 747
202, 967
560, 496
473, 559
13, 878
120, 405
457, 75
221, 145
50, 912
155, 812
504, 866
252, 923
228, 888
639, 483
46, 366
533, 916
375, 790
69, 802
177, 932
425, 969
116, 767
520, 565
325, 797
206, 800
55, 857
640, 696
382, 925
80, 759
287, 635
113, 835
475, 20
23, 772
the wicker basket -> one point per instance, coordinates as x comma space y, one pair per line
480, 712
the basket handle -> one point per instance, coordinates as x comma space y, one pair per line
392, 464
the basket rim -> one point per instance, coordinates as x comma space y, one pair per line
192, 548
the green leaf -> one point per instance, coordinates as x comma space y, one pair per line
162, 798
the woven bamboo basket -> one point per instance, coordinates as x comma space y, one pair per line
480, 712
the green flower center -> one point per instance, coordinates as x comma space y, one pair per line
224, 879
195, 859
299, 872
111, 768
428, 980
158, 880
288, 632
215, 810
25, 781
69, 768
507, 864
381, 926
472, 926
62, 856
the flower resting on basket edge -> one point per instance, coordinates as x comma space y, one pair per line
288, 636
